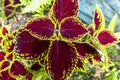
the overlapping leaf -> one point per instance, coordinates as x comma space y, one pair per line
29, 46
41, 27
65, 8
72, 28
61, 60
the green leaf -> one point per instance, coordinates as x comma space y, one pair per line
112, 24
34, 5
112, 76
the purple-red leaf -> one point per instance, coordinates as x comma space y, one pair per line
99, 20
6, 2
72, 29
29, 46
18, 68
6, 76
4, 31
36, 66
4, 65
106, 37
8, 11
85, 50
80, 64
2, 55
61, 60
29, 76
15, 2
91, 29
41, 28
65, 8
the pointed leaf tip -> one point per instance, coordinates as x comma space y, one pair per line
98, 19
61, 60
112, 23
106, 37
72, 29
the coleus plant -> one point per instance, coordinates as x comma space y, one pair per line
9, 7
54, 41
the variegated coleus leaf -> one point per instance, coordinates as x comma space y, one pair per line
2, 55
5, 75
85, 50
61, 59
30, 47
98, 19
107, 38
9, 7
72, 29
65, 8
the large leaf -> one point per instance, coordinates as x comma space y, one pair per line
65, 8
106, 37
61, 60
41, 28
29, 46
72, 29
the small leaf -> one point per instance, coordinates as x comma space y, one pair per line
4, 31
65, 8
106, 37
4, 65
6, 76
17, 69
91, 29
112, 24
6, 2
72, 29
61, 60
99, 20
41, 28
2, 55
85, 50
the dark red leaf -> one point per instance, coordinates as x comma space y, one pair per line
91, 29
16, 2
29, 76
4, 31
5, 76
1, 39
98, 18
36, 66
61, 60
29, 46
65, 8
10, 57
11, 47
6, 2
4, 65
41, 27
80, 64
72, 28
107, 37
18, 68
9, 11
85, 50
2, 55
